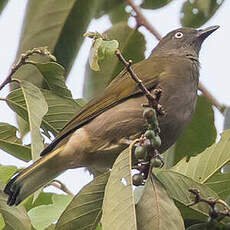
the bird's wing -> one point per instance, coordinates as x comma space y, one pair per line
121, 88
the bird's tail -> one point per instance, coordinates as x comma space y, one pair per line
34, 177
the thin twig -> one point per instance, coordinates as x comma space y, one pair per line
58, 184
22, 61
212, 202
152, 98
210, 98
143, 21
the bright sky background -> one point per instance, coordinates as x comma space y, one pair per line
214, 58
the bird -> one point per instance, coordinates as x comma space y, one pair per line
106, 124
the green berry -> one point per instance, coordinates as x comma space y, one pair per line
140, 152
156, 141
138, 179
156, 162
150, 134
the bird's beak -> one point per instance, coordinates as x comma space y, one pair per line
204, 33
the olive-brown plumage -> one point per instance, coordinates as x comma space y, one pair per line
105, 126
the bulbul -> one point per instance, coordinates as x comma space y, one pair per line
107, 124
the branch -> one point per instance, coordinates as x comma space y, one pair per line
152, 98
23, 60
142, 21
210, 98
58, 184
212, 202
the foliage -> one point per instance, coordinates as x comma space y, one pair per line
44, 104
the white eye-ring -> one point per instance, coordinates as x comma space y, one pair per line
179, 35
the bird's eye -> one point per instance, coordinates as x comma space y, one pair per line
178, 35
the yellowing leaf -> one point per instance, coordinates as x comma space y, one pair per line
37, 108
156, 210
118, 205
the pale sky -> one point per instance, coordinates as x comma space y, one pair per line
214, 58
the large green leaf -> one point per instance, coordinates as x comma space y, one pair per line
119, 14
36, 107
60, 110
118, 205
154, 4
105, 6
58, 25
15, 218
2, 222
44, 215
220, 183
202, 167
128, 38
43, 198
11, 144
2, 5
206, 167
54, 80
84, 211
178, 185
6, 172
197, 12
155, 210
199, 134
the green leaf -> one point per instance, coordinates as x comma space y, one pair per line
51, 227
6, 172
119, 14
199, 134
99, 227
3, 3
220, 183
101, 50
200, 226
54, 79
107, 49
58, 25
44, 215
60, 110
177, 186
118, 205
23, 126
2, 223
93, 58
128, 38
154, 4
43, 198
36, 108
15, 218
155, 210
11, 144
196, 13
104, 6
84, 211
203, 166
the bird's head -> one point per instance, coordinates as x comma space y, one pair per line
183, 41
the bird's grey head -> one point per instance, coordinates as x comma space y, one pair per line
183, 41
